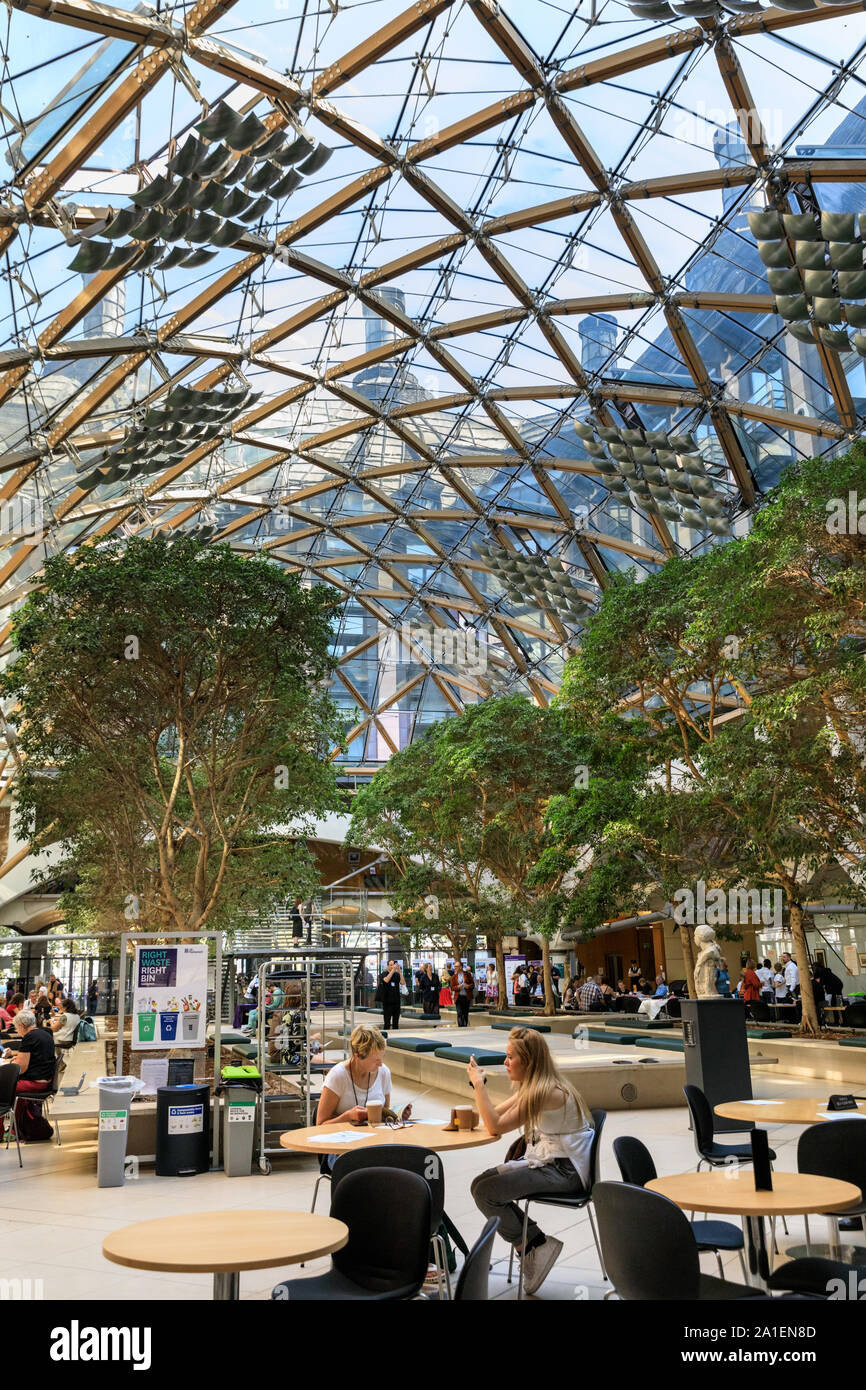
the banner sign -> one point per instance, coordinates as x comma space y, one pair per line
170, 997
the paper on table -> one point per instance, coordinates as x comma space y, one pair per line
761, 1102
340, 1136
840, 1115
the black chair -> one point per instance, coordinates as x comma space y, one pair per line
572, 1202
384, 1260
835, 1150
649, 1249
47, 1097
812, 1276
412, 1158
9, 1074
67, 1047
637, 1167
703, 1129
474, 1278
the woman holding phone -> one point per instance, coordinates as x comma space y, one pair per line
558, 1131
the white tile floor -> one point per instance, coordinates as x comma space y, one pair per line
53, 1216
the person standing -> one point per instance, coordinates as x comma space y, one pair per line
445, 1000
792, 974
764, 973
633, 975
463, 988
491, 986
389, 984
723, 979
430, 985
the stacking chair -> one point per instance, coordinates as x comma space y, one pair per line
835, 1150
637, 1167
649, 1249
811, 1276
572, 1202
385, 1258
473, 1282
718, 1155
9, 1074
412, 1159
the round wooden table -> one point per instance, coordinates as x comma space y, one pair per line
805, 1110
319, 1139
223, 1243
731, 1191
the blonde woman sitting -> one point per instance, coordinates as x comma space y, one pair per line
350, 1086
558, 1130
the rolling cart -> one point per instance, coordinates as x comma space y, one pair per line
309, 984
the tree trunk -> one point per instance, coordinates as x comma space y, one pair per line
549, 1003
809, 1021
688, 946
502, 1001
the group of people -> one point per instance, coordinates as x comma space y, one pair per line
767, 983
527, 983
454, 986
594, 994
552, 1157
40, 1023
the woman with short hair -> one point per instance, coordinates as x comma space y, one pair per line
558, 1131
351, 1085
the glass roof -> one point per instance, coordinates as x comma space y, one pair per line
455, 306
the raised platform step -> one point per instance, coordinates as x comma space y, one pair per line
638, 1021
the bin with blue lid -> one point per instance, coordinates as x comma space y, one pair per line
182, 1130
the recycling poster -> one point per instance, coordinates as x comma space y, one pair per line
170, 994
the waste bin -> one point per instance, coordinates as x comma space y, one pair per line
182, 1130
240, 1090
115, 1094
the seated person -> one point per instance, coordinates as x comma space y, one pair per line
351, 1085
558, 1130
590, 996
64, 1023
33, 1052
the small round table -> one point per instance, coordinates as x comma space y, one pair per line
223, 1243
319, 1139
732, 1191
802, 1110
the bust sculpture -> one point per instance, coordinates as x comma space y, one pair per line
705, 966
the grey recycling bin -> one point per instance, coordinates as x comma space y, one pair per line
240, 1089
115, 1094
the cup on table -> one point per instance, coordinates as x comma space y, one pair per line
374, 1112
465, 1116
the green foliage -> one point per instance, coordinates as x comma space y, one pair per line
173, 714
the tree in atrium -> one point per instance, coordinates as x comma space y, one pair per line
174, 721
744, 668
462, 814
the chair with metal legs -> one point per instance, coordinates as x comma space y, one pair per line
571, 1202
9, 1074
717, 1155
637, 1167
836, 1150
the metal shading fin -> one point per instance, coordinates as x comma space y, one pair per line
786, 281
774, 253
184, 162
228, 233
835, 338
151, 225
121, 255
91, 256
258, 209
801, 225
179, 226
265, 174
273, 145
810, 255
152, 193
818, 281
206, 197
801, 331
827, 310
765, 226
196, 258
183, 192
852, 284
204, 227
282, 187
317, 160
246, 133
300, 148
846, 255
120, 223
792, 306
214, 163
856, 314
219, 122
838, 226
231, 202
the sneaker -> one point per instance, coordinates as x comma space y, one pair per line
538, 1262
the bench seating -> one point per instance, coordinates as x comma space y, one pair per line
604, 1035
406, 1044
536, 1027
764, 1033
852, 1042
483, 1056
668, 1044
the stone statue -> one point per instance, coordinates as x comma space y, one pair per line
706, 963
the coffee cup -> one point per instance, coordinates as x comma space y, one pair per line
465, 1116
374, 1112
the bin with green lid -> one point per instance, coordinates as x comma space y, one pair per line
240, 1089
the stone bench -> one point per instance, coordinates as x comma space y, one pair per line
524, 1023
483, 1056
405, 1044
667, 1044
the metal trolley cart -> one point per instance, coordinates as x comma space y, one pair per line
309, 982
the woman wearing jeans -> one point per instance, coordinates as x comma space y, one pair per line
558, 1130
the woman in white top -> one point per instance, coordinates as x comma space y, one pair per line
558, 1130
351, 1085
780, 985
